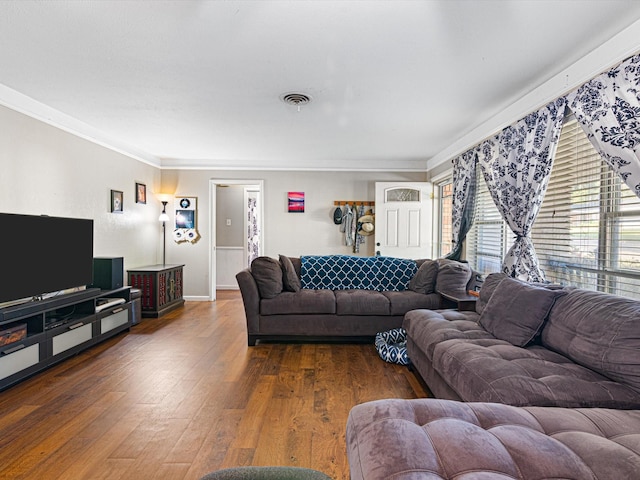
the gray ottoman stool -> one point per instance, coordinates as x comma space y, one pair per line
266, 473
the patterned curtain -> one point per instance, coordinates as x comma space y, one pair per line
253, 231
516, 165
463, 201
608, 108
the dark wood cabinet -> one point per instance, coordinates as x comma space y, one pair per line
45, 332
160, 287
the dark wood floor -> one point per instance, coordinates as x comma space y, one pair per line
183, 395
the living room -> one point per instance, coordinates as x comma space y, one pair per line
59, 165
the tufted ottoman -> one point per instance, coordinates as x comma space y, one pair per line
434, 439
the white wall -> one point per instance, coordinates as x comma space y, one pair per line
45, 170
293, 234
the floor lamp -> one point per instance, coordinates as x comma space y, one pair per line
164, 218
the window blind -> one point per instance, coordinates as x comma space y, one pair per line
486, 241
587, 233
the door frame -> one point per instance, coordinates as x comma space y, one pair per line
257, 185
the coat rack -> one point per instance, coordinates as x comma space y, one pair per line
339, 203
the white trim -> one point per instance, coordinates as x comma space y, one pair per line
196, 298
28, 106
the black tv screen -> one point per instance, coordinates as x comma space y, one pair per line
41, 254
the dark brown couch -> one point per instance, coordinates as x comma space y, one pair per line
275, 313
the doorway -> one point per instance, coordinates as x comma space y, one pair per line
237, 213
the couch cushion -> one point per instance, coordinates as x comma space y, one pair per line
290, 279
267, 273
496, 371
599, 331
517, 310
442, 439
424, 280
427, 328
304, 301
486, 290
453, 276
361, 302
403, 302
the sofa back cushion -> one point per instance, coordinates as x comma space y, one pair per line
517, 311
267, 273
453, 276
599, 331
488, 287
290, 278
424, 280
344, 272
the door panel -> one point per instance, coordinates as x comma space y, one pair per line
404, 210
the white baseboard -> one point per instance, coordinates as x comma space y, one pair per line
197, 299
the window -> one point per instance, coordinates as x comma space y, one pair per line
587, 233
445, 233
487, 241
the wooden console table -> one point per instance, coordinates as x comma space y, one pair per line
160, 287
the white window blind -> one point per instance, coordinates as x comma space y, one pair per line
486, 241
587, 233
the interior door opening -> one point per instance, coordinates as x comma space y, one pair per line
237, 213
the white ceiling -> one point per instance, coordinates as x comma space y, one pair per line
197, 84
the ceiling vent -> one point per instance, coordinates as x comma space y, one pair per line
296, 99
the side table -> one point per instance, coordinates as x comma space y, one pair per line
160, 287
463, 300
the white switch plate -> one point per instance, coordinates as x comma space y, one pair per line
228, 222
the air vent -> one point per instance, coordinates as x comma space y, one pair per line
295, 99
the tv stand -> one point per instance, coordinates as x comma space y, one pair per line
47, 331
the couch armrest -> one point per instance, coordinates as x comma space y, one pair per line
251, 300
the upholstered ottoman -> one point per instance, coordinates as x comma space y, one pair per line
434, 439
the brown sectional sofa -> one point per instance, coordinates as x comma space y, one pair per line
585, 352
529, 360
276, 310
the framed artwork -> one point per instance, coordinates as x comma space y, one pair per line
141, 193
116, 201
185, 220
296, 202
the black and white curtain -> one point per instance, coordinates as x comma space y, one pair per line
608, 108
463, 201
516, 165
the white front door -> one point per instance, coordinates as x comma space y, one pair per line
403, 219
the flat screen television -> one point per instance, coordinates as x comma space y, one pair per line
42, 254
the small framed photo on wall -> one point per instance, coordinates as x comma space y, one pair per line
116, 201
295, 202
141, 193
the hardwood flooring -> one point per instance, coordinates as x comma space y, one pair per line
183, 395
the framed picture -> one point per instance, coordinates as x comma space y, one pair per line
116, 201
296, 202
141, 193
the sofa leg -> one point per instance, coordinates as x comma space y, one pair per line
251, 340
